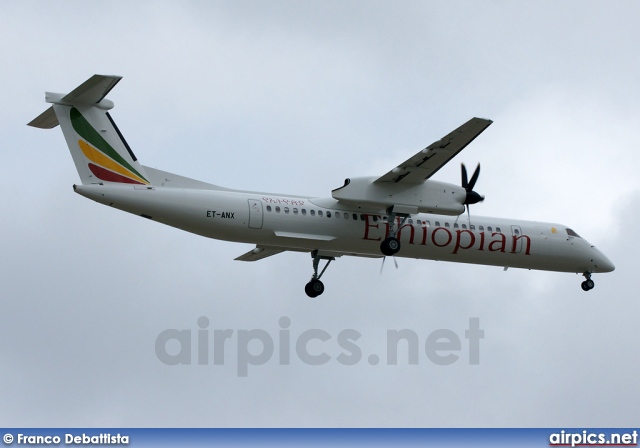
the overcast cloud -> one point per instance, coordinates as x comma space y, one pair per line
293, 97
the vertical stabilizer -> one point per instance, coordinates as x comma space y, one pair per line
99, 151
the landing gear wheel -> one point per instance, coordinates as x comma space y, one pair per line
390, 246
587, 284
314, 288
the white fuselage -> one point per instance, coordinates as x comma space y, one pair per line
426, 216
325, 224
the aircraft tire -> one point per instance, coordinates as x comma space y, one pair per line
314, 288
390, 246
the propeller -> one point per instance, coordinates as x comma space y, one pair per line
383, 260
472, 196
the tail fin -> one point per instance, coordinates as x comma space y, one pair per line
99, 151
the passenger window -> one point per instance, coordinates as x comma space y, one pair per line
437, 223
498, 230
481, 228
455, 225
472, 227
286, 209
337, 214
346, 215
410, 221
355, 217
363, 217
328, 214
419, 222
295, 211
304, 211
312, 212
375, 218
428, 223
489, 229
464, 226
446, 224
277, 209
319, 212
268, 208
516, 231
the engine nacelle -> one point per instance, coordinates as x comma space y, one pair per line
429, 196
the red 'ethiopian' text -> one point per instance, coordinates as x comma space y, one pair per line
456, 239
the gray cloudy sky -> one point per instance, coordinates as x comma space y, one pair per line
293, 97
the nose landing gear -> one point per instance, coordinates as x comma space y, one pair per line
588, 284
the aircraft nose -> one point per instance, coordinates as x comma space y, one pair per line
601, 262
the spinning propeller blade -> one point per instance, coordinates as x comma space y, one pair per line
472, 196
383, 260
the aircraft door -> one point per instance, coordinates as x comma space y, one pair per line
255, 214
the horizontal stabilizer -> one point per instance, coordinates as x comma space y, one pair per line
46, 120
93, 90
90, 92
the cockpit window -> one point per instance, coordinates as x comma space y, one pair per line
572, 233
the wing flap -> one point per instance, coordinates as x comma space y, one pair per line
427, 162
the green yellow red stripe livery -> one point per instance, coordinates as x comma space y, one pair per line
106, 164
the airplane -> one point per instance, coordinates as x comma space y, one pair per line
402, 213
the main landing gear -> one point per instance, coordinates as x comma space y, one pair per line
588, 284
391, 245
315, 287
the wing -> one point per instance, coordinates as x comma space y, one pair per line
427, 162
260, 252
